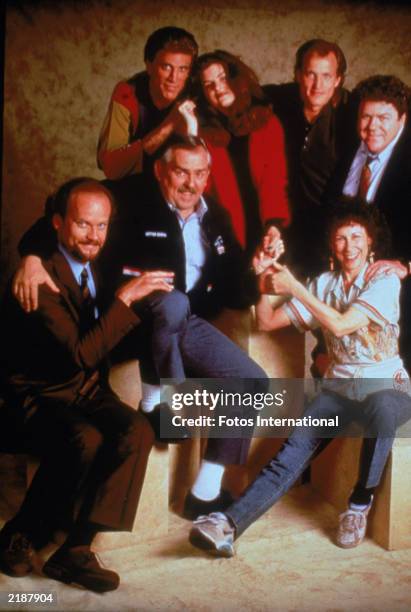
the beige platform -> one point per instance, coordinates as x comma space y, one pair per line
172, 470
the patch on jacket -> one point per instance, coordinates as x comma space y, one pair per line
219, 245
128, 271
153, 234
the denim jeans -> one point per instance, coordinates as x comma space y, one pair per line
185, 345
381, 413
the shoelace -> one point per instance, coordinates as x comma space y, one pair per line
352, 519
214, 518
93, 557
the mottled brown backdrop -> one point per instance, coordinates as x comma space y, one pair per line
63, 59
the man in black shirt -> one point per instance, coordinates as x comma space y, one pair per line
316, 115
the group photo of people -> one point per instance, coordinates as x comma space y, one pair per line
204, 217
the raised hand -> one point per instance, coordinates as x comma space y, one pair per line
269, 251
186, 109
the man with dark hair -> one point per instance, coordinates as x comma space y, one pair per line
143, 110
317, 121
322, 48
365, 382
58, 405
378, 169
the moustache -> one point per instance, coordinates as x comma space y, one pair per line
91, 243
187, 190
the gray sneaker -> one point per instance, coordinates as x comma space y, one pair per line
213, 533
352, 527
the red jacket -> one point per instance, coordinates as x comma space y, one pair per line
268, 169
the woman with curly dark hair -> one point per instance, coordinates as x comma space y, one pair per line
365, 381
245, 139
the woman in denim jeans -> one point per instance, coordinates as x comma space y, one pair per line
357, 308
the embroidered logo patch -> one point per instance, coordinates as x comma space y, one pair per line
219, 245
128, 271
153, 234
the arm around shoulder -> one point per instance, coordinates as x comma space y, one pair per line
37, 243
117, 155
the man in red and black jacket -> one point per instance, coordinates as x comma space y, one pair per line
143, 111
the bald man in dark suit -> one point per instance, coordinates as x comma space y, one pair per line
93, 448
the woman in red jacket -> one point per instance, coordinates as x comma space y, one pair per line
248, 172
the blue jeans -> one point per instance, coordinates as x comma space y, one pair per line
381, 413
185, 345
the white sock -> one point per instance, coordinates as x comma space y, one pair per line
151, 396
208, 482
359, 507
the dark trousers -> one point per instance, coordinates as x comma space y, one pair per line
175, 344
93, 458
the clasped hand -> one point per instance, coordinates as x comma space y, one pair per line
278, 281
183, 118
271, 248
274, 278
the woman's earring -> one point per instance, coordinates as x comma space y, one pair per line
331, 264
371, 255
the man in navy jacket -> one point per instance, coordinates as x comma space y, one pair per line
177, 230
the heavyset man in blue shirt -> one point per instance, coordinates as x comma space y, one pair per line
378, 169
178, 230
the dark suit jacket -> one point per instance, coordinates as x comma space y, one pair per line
393, 196
50, 353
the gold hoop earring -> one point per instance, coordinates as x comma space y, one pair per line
371, 256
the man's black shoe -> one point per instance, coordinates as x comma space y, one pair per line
80, 566
163, 415
195, 507
16, 553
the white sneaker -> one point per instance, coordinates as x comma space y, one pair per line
352, 527
213, 533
